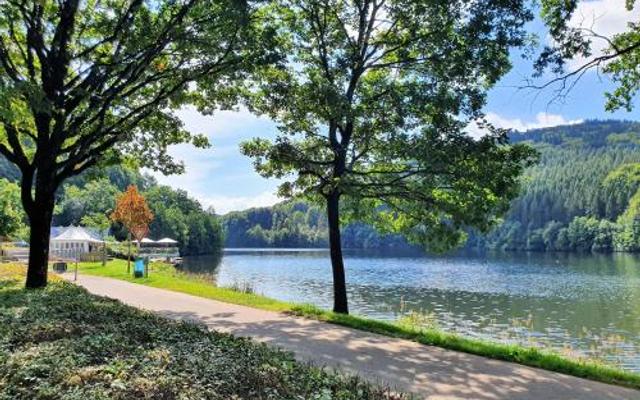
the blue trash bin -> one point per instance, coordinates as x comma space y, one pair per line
138, 268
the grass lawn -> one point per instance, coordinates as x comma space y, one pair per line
64, 343
166, 277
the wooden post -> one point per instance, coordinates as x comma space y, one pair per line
75, 272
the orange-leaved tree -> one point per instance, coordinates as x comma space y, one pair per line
133, 213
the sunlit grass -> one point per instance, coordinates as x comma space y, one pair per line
167, 277
16, 272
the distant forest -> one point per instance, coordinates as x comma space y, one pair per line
582, 196
87, 200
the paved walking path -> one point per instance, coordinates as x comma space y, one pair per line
429, 371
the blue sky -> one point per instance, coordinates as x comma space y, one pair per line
221, 177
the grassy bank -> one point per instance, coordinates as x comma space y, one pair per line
64, 343
166, 277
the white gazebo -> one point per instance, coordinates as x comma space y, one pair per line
73, 241
166, 242
146, 242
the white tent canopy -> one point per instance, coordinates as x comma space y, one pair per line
76, 234
147, 240
74, 240
167, 241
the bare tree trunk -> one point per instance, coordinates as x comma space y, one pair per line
340, 304
40, 217
129, 253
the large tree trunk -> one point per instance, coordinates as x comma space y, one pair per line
340, 304
40, 217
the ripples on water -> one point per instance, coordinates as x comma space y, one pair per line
585, 305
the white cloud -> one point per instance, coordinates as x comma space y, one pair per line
224, 204
604, 17
542, 120
223, 124
220, 176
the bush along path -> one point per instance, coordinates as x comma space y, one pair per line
64, 343
428, 371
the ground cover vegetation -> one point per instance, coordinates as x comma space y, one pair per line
64, 343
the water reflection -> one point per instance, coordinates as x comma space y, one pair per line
588, 303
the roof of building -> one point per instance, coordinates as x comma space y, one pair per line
74, 234
167, 240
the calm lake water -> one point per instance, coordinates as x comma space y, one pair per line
583, 305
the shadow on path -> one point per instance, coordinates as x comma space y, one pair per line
431, 372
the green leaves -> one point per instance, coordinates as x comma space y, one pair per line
372, 100
618, 58
62, 342
11, 214
103, 80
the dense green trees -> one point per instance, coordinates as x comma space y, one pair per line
180, 217
88, 82
12, 216
300, 224
87, 199
94, 197
582, 196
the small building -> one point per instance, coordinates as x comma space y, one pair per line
163, 249
73, 241
167, 242
146, 242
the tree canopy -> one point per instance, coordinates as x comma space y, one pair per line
573, 37
373, 101
88, 82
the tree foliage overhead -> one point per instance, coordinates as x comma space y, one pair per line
620, 57
373, 104
84, 82
79, 77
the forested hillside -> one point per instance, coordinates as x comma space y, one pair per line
582, 195
88, 199
299, 224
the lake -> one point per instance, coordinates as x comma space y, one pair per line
581, 305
